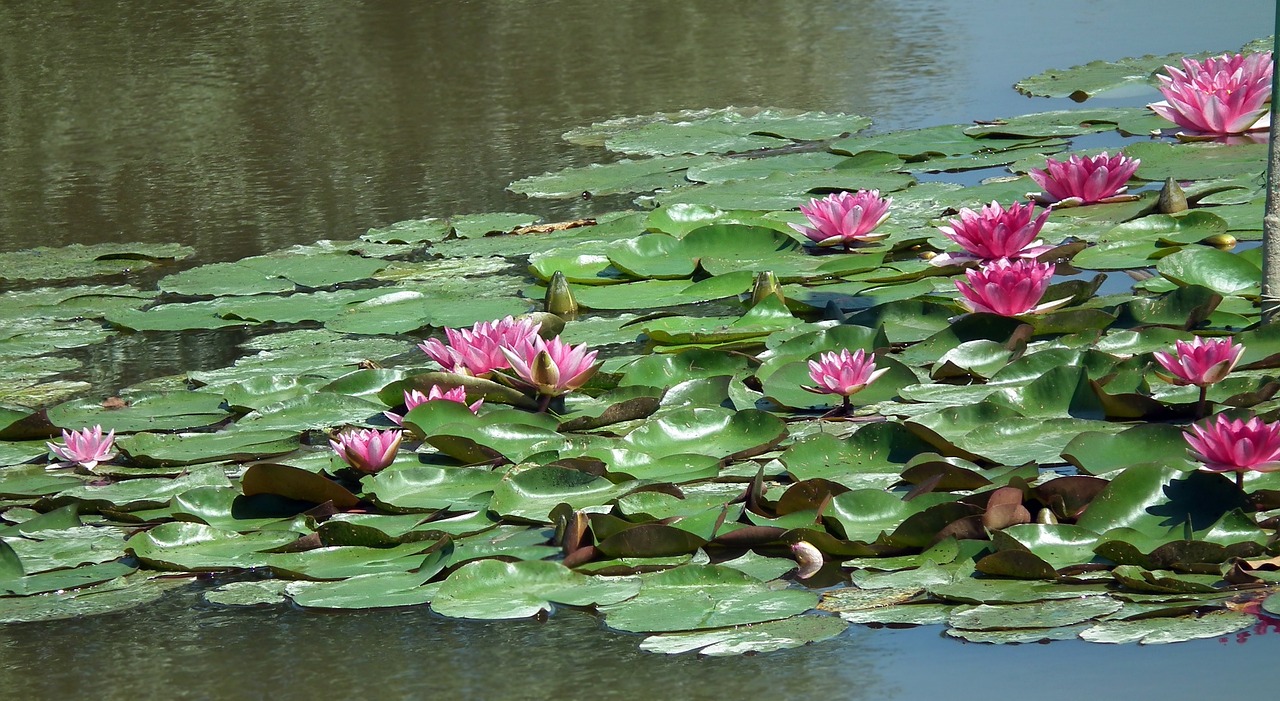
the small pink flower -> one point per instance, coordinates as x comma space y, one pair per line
1084, 179
1008, 288
994, 233
367, 450
86, 447
843, 373
553, 367
845, 218
413, 398
1224, 445
477, 351
1200, 362
1220, 95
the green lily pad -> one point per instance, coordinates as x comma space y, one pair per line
753, 638
490, 589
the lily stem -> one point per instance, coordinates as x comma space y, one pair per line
1240, 480
543, 402
1202, 405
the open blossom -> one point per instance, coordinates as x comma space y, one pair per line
845, 218
553, 367
413, 398
994, 232
1224, 445
476, 351
843, 373
367, 450
86, 447
1007, 287
1220, 95
1084, 179
1199, 362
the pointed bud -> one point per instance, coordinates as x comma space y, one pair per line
559, 299
766, 286
1172, 198
808, 559
1046, 516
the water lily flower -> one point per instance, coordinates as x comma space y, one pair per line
1084, 179
413, 398
1220, 95
1008, 288
477, 351
843, 373
994, 233
845, 218
553, 367
86, 447
1200, 362
1223, 445
367, 450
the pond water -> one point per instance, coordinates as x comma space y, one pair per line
240, 128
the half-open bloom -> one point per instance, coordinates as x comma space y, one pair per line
993, 233
1200, 362
1084, 179
1220, 95
477, 351
553, 367
844, 218
367, 450
86, 447
413, 398
1224, 445
1008, 288
843, 373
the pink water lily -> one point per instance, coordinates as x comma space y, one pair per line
1200, 362
994, 232
477, 351
1220, 95
845, 218
553, 367
1008, 288
1084, 179
413, 398
367, 450
1223, 445
843, 373
86, 447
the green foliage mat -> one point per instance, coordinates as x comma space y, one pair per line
1015, 480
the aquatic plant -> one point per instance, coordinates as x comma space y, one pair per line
1228, 94
413, 398
86, 447
1007, 287
1200, 361
367, 450
843, 373
554, 367
845, 218
1083, 179
478, 351
994, 232
1226, 445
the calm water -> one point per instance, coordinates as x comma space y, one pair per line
240, 127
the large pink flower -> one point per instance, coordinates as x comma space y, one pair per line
1084, 179
845, 218
367, 450
477, 351
553, 367
86, 447
994, 233
413, 398
1220, 95
843, 373
1199, 362
1224, 445
1007, 287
